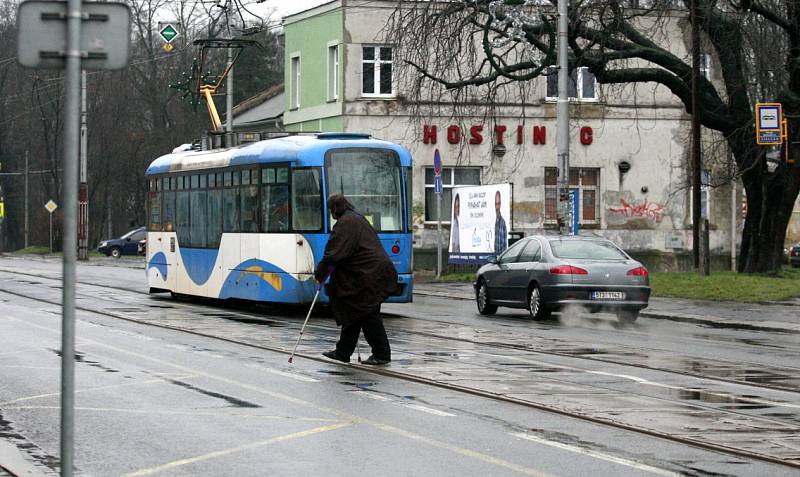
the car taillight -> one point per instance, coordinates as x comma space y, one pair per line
568, 270
795, 252
638, 272
396, 248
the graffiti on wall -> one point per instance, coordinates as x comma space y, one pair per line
648, 210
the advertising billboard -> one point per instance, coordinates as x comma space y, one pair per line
480, 222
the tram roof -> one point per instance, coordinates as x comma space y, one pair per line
300, 150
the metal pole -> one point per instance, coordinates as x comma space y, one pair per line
438, 235
83, 191
26, 199
70, 234
229, 94
734, 211
562, 121
51, 232
696, 171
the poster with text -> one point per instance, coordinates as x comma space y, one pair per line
480, 222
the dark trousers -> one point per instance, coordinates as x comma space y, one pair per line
374, 332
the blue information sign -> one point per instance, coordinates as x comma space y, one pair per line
437, 184
437, 163
573, 203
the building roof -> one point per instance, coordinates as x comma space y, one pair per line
266, 106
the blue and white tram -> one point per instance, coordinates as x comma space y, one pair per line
250, 222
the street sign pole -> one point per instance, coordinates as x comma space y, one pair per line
437, 188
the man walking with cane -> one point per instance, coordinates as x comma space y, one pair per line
363, 277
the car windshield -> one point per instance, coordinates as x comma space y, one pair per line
586, 249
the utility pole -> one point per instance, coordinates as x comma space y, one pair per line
26, 199
229, 100
562, 121
83, 191
696, 160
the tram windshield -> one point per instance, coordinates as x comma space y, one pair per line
370, 179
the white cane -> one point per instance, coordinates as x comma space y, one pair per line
305, 322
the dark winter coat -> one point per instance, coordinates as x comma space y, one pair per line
363, 275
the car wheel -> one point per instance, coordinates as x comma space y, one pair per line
627, 317
116, 252
482, 300
536, 306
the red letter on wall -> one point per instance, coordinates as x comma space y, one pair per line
586, 135
540, 135
453, 134
475, 132
499, 130
519, 134
428, 134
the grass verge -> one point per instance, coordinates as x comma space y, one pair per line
727, 286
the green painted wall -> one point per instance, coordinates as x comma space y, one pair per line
310, 37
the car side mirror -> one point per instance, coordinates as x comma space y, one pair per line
128, 239
492, 259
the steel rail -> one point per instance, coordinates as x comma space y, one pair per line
448, 386
514, 347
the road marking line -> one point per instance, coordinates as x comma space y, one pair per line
597, 455
233, 450
429, 410
98, 388
285, 374
298, 401
179, 412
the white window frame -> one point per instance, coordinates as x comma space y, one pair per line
553, 70
448, 186
294, 78
581, 188
333, 71
376, 65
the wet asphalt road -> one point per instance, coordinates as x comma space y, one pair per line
160, 402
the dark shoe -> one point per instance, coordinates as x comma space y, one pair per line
374, 360
335, 355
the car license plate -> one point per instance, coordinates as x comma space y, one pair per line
608, 295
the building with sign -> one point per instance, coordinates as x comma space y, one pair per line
629, 144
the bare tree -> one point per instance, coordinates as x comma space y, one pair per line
460, 45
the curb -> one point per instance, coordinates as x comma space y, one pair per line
714, 322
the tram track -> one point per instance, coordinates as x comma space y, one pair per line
445, 385
497, 344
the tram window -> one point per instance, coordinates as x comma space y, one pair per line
267, 176
198, 223
182, 218
169, 212
230, 210
236, 176
228, 179
245, 177
214, 222
203, 181
195, 181
219, 181
165, 183
249, 209
155, 211
275, 208
211, 180
306, 199
282, 175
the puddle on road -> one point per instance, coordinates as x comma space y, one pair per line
334, 372
79, 358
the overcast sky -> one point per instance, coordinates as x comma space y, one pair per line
285, 7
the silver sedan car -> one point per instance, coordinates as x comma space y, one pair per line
547, 273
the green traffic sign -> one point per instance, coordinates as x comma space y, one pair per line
168, 33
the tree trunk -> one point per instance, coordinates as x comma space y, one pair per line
770, 200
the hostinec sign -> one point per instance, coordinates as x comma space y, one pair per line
474, 135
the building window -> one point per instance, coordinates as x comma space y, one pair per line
586, 181
705, 196
376, 70
294, 96
582, 84
705, 66
333, 73
451, 177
